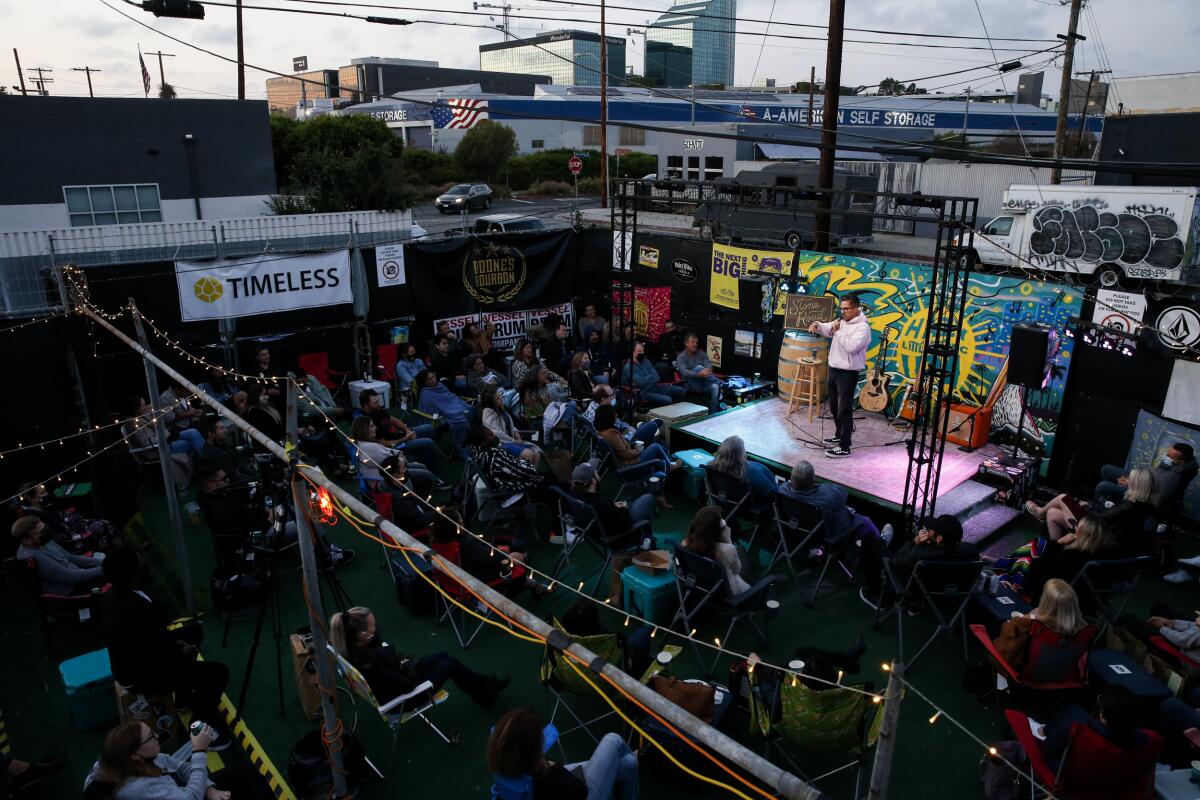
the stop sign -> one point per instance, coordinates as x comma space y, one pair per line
575, 165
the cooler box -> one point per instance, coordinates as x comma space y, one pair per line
383, 387
89, 684
650, 597
693, 470
676, 413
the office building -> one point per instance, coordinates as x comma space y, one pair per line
692, 45
570, 58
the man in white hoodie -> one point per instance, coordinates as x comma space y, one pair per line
851, 336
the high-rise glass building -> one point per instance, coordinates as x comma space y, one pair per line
692, 44
570, 58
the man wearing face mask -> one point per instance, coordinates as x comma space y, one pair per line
642, 373
851, 336
1172, 475
60, 572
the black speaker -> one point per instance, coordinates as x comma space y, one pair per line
1028, 352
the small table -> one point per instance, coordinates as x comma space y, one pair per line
993, 610
675, 414
383, 387
1114, 668
752, 391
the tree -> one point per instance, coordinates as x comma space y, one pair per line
333, 164
166, 92
485, 150
3, 90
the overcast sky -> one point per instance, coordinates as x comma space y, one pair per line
1157, 36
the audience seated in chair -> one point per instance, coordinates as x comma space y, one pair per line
371, 453
645, 377
623, 453
730, 459
219, 452
1180, 630
841, 521
710, 536
494, 416
178, 413
508, 473
516, 752
590, 322
480, 377
437, 400
219, 386
506, 573
407, 367
263, 368
1115, 719
60, 572
408, 486
558, 349
144, 434
1172, 475
616, 518
697, 370
416, 442
939, 539
579, 377
68, 527
1031, 566
316, 401
146, 656
356, 637
1127, 515
132, 767
448, 362
537, 393
601, 356
1058, 610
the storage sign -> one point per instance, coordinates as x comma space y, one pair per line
261, 285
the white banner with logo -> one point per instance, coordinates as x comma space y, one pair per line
511, 326
389, 264
265, 284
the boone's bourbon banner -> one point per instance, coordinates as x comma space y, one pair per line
261, 285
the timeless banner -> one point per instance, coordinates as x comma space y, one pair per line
261, 285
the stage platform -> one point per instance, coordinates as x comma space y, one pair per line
875, 471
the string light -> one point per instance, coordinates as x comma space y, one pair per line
934, 718
59, 476
27, 323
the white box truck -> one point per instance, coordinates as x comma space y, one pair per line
1143, 232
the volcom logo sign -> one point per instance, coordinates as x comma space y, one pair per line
1178, 327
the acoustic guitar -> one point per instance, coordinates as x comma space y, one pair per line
874, 395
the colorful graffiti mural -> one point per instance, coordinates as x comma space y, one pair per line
895, 295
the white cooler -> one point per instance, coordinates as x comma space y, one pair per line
383, 387
676, 413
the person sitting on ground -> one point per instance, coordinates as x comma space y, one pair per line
583, 619
416, 441
1058, 610
939, 539
590, 322
495, 417
505, 570
696, 369
407, 485
557, 350
480, 376
219, 450
601, 356
517, 748
60, 572
841, 521
145, 434
390, 674
616, 518
1031, 566
407, 367
579, 377
626, 455
1116, 717
710, 536
508, 473
371, 453
448, 362
1063, 512
132, 767
730, 459
1172, 475
148, 657
218, 386
645, 377
436, 400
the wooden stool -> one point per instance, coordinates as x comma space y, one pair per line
806, 389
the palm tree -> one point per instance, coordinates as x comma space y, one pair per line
166, 92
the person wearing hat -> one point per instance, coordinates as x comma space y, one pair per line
618, 518
939, 539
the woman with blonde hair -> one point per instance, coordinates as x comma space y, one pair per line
1030, 566
1058, 610
1063, 512
730, 459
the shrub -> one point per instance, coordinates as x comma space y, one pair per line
551, 188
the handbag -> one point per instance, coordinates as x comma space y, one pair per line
698, 699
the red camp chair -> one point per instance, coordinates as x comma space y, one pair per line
317, 365
1054, 662
1165, 648
385, 361
459, 619
1092, 766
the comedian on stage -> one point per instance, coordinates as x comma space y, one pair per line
851, 336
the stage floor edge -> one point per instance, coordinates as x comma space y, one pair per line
876, 470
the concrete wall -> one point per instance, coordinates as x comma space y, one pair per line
1154, 94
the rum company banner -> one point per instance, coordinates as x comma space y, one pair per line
510, 326
730, 263
266, 284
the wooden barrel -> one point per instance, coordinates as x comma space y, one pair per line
798, 345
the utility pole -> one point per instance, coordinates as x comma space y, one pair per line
603, 110
812, 80
1064, 91
829, 119
89, 72
692, 86
966, 111
20, 74
41, 80
162, 78
241, 56
1087, 97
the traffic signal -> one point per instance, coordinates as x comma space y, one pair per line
182, 9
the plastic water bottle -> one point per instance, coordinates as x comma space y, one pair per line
198, 726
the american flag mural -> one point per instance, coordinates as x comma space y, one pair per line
459, 113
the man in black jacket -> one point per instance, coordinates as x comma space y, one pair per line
558, 349
939, 539
148, 657
617, 519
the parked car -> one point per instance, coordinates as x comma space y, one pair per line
506, 223
465, 196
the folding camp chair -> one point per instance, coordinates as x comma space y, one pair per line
826, 723
484, 503
317, 365
801, 527
55, 607
580, 524
1099, 582
561, 679
447, 609
1053, 663
943, 588
635, 476
413, 705
732, 495
701, 585
1091, 766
